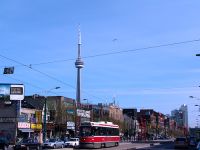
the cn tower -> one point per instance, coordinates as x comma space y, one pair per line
79, 64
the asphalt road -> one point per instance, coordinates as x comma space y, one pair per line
126, 146
133, 146
145, 146
165, 146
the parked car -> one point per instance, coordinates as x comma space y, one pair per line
181, 142
3, 144
192, 142
65, 139
73, 142
53, 143
198, 146
25, 144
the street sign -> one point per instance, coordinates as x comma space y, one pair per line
8, 70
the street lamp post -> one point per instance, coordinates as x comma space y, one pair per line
75, 118
135, 127
44, 122
165, 126
45, 115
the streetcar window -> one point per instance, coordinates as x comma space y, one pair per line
85, 131
95, 131
116, 131
102, 131
98, 131
110, 131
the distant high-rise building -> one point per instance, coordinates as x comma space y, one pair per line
177, 116
184, 111
180, 116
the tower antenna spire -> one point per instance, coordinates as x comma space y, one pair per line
79, 41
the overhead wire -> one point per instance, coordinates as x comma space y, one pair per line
45, 74
118, 52
30, 66
27, 83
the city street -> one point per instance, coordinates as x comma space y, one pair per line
110, 75
132, 146
122, 146
127, 146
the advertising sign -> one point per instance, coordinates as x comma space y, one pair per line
24, 125
12, 91
36, 126
16, 92
70, 125
23, 118
38, 115
83, 113
5, 91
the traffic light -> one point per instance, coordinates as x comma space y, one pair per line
8, 70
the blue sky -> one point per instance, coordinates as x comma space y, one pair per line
162, 78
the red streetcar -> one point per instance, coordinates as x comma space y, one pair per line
99, 134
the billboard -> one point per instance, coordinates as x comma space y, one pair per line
12, 91
5, 91
83, 113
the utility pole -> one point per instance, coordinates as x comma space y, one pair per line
45, 115
44, 120
75, 117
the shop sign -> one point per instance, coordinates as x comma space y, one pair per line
23, 125
71, 128
36, 126
7, 119
38, 115
70, 111
83, 113
23, 118
70, 125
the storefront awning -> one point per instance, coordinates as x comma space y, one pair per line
26, 130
